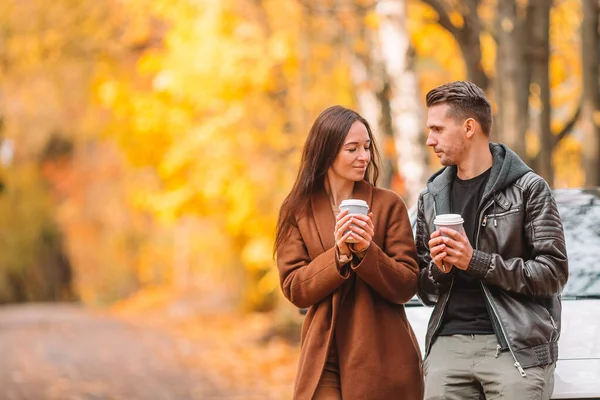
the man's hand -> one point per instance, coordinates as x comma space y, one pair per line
437, 249
457, 247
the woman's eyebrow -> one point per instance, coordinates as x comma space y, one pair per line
356, 143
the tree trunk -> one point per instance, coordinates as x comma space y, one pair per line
470, 45
370, 80
511, 81
590, 113
370, 90
467, 36
405, 108
538, 13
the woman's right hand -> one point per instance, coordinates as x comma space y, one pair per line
342, 223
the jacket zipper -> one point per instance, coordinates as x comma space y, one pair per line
505, 213
517, 364
550, 318
553, 323
485, 217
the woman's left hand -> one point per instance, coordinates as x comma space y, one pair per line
363, 231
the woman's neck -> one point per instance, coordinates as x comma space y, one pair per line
338, 189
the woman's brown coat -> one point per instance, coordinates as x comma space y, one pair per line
379, 357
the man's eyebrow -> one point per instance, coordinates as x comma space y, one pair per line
433, 126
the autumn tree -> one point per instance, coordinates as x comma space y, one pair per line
374, 37
522, 77
463, 22
218, 113
538, 59
590, 114
47, 53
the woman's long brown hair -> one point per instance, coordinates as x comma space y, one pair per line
325, 139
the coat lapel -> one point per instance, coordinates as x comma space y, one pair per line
324, 218
364, 191
323, 213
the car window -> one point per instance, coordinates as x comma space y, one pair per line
581, 222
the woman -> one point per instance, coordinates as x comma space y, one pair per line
356, 340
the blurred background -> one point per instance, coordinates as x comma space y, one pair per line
146, 145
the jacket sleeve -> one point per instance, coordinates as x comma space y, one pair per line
546, 272
432, 281
305, 282
392, 270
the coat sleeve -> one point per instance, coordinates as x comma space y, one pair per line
432, 281
545, 272
305, 282
391, 270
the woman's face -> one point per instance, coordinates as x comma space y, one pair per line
353, 158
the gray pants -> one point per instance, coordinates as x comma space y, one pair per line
470, 367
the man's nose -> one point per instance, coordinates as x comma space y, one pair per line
430, 142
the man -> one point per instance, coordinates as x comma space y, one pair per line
493, 332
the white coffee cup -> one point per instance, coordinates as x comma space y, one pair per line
451, 221
354, 207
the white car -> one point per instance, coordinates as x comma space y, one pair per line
577, 373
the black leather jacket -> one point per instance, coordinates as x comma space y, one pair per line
519, 255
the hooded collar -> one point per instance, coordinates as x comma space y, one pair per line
323, 213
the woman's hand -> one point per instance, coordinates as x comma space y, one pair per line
363, 231
342, 222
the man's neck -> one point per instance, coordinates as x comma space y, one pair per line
338, 189
478, 160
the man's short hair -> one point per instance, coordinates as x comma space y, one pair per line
465, 100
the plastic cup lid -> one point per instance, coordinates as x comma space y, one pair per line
448, 219
353, 202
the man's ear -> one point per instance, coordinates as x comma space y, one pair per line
469, 127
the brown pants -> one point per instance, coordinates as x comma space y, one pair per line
469, 367
329, 387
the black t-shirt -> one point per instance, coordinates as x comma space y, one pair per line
466, 311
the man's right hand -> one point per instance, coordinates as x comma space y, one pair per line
437, 249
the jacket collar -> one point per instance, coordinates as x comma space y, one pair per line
323, 213
507, 167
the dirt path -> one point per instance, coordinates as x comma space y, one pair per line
65, 352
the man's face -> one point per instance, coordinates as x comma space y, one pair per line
446, 136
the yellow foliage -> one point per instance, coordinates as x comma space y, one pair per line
567, 166
269, 283
372, 20
220, 110
488, 54
439, 54
457, 19
256, 254
216, 102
